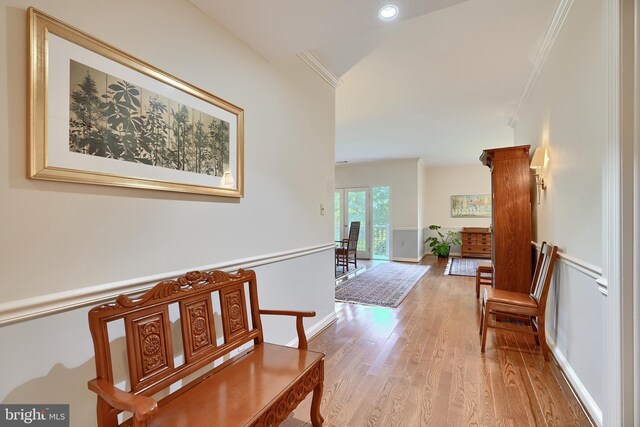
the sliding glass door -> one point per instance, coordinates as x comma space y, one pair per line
357, 209
380, 219
338, 217
370, 206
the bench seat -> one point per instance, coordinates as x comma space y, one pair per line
242, 393
181, 327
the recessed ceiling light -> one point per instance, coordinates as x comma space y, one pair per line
388, 11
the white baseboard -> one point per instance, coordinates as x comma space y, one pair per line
316, 328
405, 259
578, 388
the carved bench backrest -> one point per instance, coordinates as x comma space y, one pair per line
148, 332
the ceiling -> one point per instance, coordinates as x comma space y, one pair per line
440, 82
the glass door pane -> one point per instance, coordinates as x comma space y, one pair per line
380, 219
338, 218
358, 210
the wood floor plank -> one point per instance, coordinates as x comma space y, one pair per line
420, 365
513, 365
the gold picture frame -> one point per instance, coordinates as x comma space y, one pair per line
98, 115
471, 206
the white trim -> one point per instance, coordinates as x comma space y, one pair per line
405, 229
580, 265
29, 308
588, 269
612, 221
603, 286
319, 68
316, 328
635, 285
578, 388
364, 162
553, 29
405, 259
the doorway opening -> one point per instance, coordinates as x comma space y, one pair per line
370, 206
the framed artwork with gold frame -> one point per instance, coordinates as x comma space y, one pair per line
98, 115
471, 206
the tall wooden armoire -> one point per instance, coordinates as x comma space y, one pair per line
511, 219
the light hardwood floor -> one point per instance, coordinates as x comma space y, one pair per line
420, 365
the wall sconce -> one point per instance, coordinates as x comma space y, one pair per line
227, 180
538, 164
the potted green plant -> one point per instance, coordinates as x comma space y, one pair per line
441, 245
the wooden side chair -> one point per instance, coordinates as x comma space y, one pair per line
484, 276
527, 307
346, 249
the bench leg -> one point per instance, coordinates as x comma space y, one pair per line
316, 418
106, 418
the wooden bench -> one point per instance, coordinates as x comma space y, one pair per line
259, 386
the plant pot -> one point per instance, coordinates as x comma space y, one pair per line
442, 252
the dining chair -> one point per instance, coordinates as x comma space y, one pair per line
484, 276
346, 251
529, 308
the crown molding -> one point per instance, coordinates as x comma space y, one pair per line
553, 29
319, 68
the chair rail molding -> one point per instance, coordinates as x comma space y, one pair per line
584, 267
550, 35
603, 286
45, 305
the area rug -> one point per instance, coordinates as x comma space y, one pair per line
384, 285
463, 266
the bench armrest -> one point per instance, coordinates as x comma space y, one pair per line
302, 337
142, 407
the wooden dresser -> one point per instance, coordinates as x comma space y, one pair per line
476, 242
511, 217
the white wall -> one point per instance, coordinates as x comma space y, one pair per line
60, 237
567, 111
442, 182
400, 175
402, 178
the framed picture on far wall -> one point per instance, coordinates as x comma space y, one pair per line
471, 206
98, 115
